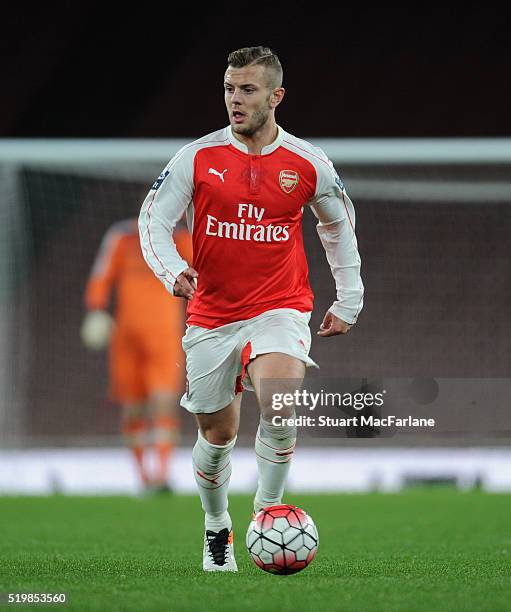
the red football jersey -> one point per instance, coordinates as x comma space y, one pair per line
245, 215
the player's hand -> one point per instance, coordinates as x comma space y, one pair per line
333, 326
186, 283
96, 329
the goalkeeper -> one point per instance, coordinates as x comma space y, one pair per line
146, 357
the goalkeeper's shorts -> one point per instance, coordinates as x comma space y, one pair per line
144, 361
216, 359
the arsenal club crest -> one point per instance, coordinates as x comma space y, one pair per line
288, 180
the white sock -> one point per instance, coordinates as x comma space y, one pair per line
212, 471
274, 448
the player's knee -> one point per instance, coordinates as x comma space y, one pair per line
271, 407
133, 411
164, 403
219, 435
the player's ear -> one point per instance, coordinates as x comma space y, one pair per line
276, 96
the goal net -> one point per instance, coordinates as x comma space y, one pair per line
433, 225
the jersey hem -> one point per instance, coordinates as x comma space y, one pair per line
214, 322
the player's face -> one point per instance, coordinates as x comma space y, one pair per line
248, 99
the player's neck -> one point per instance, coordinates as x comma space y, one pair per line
262, 138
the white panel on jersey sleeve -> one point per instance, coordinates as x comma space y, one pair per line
170, 196
163, 207
326, 203
340, 244
336, 228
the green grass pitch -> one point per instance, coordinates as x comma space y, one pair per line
419, 550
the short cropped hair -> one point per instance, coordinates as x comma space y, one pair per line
263, 56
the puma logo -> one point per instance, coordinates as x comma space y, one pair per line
220, 174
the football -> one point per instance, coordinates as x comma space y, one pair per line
282, 539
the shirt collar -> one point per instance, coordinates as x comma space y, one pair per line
265, 150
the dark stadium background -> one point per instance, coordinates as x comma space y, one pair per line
79, 72
76, 70
415, 520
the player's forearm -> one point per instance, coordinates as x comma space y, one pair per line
158, 247
339, 242
98, 292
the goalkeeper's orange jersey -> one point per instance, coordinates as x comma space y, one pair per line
141, 301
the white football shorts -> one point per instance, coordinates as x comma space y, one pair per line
216, 359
